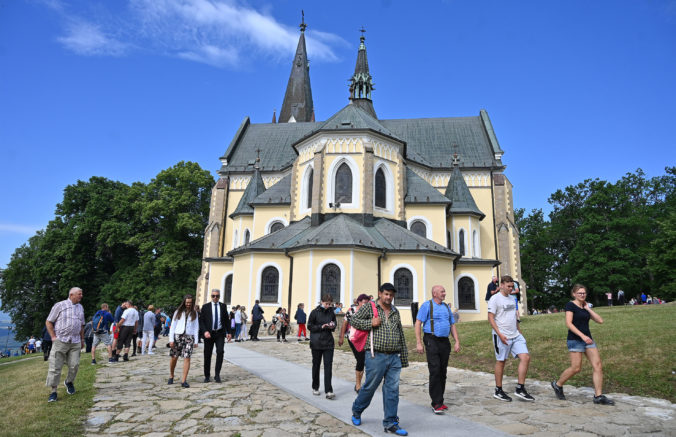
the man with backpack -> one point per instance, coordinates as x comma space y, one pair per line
435, 320
101, 327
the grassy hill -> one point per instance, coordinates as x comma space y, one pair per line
637, 346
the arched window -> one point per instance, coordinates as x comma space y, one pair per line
269, 285
276, 226
403, 282
461, 242
309, 189
419, 228
475, 244
247, 236
466, 294
331, 281
227, 290
343, 191
381, 189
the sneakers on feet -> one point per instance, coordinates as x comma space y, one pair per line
93, 361
315, 392
217, 378
70, 388
558, 391
151, 353
437, 409
356, 420
330, 395
110, 360
501, 395
523, 394
52, 397
170, 381
207, 379
603, 400
125, 357
185, 384
396, 429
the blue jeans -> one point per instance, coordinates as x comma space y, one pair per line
238, 329
381, 366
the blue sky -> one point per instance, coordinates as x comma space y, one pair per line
124, 89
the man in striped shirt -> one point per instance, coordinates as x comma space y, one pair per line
65, 325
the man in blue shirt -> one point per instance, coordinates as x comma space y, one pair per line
436, 328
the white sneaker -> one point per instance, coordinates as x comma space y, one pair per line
151, 353
330, 395
315, 392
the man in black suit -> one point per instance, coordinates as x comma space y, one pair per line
215, 324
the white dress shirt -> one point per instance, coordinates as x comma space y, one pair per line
184, 326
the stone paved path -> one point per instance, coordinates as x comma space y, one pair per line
469, 396
133, 399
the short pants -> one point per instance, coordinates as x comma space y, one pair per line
515, 346
579, 346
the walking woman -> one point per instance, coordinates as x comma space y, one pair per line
321, 324
580, 342
243, 332
359, 356
183, 337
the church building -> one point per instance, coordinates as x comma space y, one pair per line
303, 207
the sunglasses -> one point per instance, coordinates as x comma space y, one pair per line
215, 295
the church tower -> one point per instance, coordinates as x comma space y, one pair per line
361, 82
297, 105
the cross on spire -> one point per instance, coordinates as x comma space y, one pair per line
302, 25
456, 159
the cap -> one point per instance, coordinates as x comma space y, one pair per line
388, 286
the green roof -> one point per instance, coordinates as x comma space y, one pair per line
419, 191
278, 194
253, 189
461, 199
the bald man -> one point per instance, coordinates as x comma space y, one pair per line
435, 320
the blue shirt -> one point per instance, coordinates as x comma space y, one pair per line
443, 319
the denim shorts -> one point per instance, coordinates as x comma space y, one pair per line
579, 346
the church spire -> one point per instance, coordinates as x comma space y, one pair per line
297, 105
361, 83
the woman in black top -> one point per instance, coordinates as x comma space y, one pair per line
580, 342
321, 324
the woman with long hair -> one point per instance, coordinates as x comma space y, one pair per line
183, 337
321, 324
245, 318
580, 342
359, 356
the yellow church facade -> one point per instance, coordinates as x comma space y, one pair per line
305, 208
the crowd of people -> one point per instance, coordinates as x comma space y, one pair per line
371, 327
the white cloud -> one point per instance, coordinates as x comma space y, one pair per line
86, 38
222, 33
19, 229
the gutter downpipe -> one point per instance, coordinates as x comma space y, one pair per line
495, 226
286, 252
381, 256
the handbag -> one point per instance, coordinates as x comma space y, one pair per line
358, 337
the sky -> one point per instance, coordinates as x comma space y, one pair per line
123, 89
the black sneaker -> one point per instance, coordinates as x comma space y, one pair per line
558, 391
396, 429
603, 400
70, 388
93, 361
52, 397
125, 357
523, 394
501, 395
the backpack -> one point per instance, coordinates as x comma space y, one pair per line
358, 337
99, 323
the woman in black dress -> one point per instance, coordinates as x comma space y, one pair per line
580, 343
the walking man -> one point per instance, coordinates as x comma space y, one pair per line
215, 324
65, 324
389, 356
256, 317
101, 322
507, 338
435, 319
127, 326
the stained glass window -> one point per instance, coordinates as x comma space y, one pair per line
381, 189
466, 294
343, 192
331, 281
270, 285
403, 282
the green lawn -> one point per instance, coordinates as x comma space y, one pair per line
637, 346
24, 409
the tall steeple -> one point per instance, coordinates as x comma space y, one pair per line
361, 82
297, 105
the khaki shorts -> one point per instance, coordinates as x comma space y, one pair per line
104, 338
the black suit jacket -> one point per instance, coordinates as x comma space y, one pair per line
207, 318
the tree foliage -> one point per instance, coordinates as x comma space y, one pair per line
115, 241
608, 236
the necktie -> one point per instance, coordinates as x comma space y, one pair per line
216, 317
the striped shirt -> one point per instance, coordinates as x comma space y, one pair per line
388, 337
68, 320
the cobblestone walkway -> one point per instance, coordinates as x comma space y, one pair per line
134, 399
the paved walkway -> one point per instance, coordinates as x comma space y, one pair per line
133, 399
